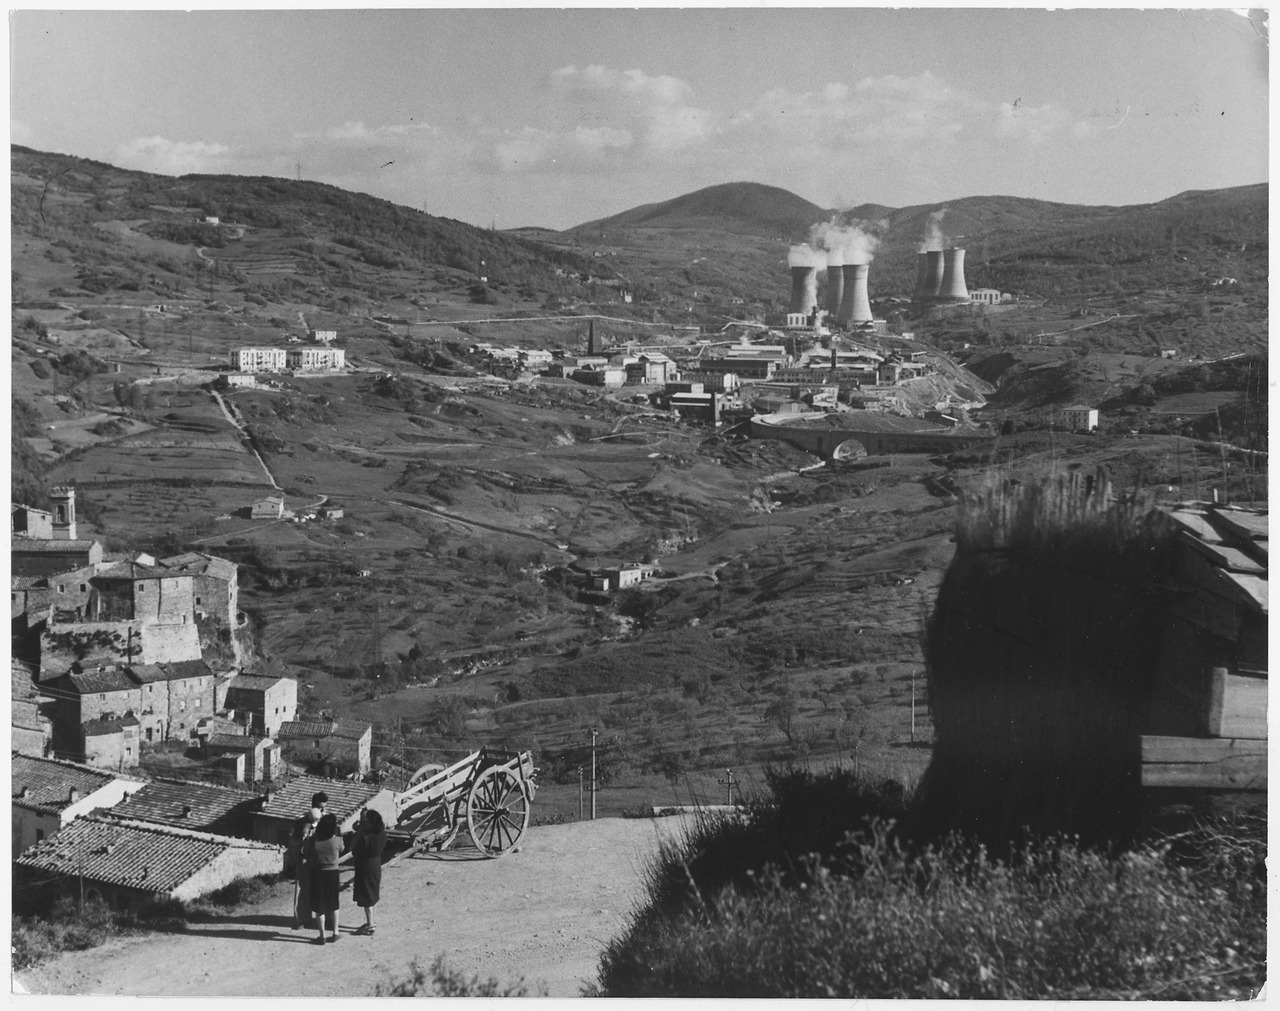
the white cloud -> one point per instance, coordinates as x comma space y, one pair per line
172, 157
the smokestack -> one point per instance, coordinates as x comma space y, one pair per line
953, 288
933, 274
591, 337
922, 277
804, 289
835, 285
856, 307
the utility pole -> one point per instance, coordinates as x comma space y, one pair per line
579, 793
594, 732
728, 784
913, 705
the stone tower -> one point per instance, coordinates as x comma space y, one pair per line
63, 499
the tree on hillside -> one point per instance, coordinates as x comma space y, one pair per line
781, 712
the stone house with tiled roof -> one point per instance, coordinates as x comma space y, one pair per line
347, 744
261, 755
346, 800
167, 699
201, 807
49, 794
268, 701
130, 862
111, 742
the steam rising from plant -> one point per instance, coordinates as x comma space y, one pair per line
833, 244
934, 237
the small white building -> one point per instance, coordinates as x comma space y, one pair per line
322, 336
1080, 419
984, 296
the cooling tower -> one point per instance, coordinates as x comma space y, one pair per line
835, 288
804, 289
953, 288
922, 278
856, 307
933, 275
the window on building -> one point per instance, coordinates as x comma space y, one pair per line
197, 703
102, 698
84, 587
62, 588
197, 600
182, 703
128, 750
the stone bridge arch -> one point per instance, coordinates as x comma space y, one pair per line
850, 448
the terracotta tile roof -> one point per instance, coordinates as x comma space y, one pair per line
350, 731
196, 563
180, 669
110, 680
51, 781
254, 682
135, 570
209, 808
345, 797
132, 854
33, 545
302, 728
108, 725
235, 742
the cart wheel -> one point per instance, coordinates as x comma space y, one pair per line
497, 811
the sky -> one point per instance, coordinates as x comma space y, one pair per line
554, 117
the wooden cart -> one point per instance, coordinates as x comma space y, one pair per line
490, 791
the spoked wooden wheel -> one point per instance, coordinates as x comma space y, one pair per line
497, 811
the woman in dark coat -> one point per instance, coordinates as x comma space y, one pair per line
366, 854
324, 849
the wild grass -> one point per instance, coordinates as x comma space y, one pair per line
885, 916
441, 981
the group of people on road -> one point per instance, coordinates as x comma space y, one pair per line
318, 846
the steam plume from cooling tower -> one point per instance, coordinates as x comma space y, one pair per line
934, 237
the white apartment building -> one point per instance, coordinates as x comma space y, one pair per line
315, 359
258, 360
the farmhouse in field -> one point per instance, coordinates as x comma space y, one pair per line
1080, 419
269, 508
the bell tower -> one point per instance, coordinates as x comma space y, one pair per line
63, 499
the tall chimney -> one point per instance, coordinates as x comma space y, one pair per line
933, 275
835, 288
922, 278
804, 289
855, 288
591, 337
953, 287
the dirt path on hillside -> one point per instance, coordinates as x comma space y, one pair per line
543, 913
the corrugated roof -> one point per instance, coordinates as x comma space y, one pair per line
132, 854
50, 781
345, 797
210, 808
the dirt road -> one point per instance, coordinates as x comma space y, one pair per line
543, 913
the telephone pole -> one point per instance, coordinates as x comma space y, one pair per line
728, 783
579, 793
594, 732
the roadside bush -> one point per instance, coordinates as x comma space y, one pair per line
816, 893
441, 981
1055, 921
